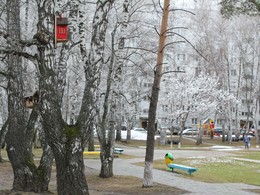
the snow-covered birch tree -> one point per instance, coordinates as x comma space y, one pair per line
199, 96
118, 75
20, 123
111, 96
93, 66
236, 7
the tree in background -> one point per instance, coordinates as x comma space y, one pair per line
200, 97
236, 7
233, 56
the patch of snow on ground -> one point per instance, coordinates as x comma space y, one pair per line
214, 160
227, 148
135, 135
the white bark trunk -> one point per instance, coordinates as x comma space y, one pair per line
148, 174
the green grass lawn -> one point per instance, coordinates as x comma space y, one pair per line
249, 154
220, 170
228, 171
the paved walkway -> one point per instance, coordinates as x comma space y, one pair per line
126, 167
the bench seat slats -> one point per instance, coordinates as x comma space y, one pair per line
182, 167
118, 150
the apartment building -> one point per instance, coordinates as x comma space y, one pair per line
236, 66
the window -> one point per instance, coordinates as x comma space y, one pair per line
197, 71
165, 108
220, 121
194, 121
146, 98
166, 69
247, 101
233, 48
145, 111
233, 72
244, 113
259, 106
181, 57
148, 84
164, 120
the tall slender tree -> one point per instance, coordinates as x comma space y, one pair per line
118, 80
148, 177
93, 66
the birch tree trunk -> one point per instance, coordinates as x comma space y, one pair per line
2, 137
119, 65
108, 146
183, 118
93, 67
107, 143
27, 177
66, 141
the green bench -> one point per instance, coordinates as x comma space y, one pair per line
190, 170
118, 150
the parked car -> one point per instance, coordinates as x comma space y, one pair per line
168, 132
175, 130
123, 128
190, 132
218, 131
136, 134
173, 142
234, 137
140, 129
251, 134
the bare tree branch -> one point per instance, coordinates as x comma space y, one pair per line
193, 47
33, 58
173, 71
4, 74
13, 42
139, 48
4, 87
183, 10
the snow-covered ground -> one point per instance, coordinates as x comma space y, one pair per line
135, 135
